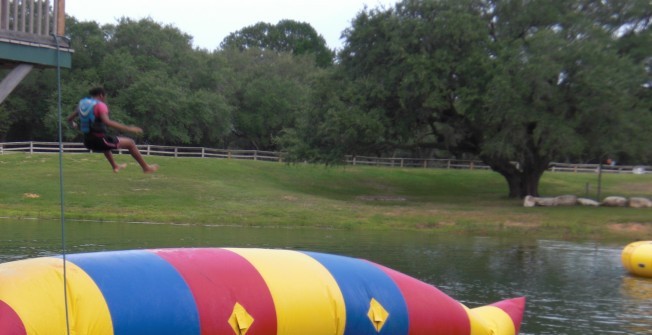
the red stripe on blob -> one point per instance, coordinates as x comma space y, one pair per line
10, 322
430, 310
218, 279
515, 309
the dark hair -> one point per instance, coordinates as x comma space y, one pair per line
96, 91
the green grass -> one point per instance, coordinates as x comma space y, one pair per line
252, 193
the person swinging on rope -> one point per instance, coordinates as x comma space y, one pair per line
94, 119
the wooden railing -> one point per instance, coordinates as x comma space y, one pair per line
201, 152
30, 18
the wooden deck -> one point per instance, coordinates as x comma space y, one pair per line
31, 32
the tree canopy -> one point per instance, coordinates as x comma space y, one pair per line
298, 38
516, 84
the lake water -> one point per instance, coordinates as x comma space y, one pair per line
572, 288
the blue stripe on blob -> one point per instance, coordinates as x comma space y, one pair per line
145, 294
359, 282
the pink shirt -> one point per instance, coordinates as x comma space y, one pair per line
100, 109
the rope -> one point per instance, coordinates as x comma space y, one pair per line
61, 194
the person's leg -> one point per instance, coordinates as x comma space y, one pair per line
129, 144
116, 167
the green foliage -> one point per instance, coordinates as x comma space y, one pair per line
268, 90
517, 84
298, 38
4, 123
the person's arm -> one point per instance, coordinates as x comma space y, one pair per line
119, 126
72, 117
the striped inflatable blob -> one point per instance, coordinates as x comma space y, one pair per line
233, 291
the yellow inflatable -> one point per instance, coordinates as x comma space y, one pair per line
637, 258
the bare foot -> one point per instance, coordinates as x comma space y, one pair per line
119, 167
151, 168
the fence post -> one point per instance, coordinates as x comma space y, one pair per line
255, 155
31, 147
176, 150
401, 162
354, 160
203, 151
472, 165
448, 164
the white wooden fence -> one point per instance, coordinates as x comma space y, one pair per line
201, 152
145, 149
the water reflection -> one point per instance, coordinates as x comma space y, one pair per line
572, 288
637, 304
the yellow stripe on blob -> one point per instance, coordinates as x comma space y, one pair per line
32, 301
489, 320
305, 294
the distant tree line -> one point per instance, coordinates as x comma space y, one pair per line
515, 83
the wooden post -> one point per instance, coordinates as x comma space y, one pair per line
31, 17
47, 18
23, 15
39, 15
61, 17
4, 14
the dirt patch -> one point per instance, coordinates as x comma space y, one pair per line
640, 188
631, 227
518, 224
31, 196
381, 198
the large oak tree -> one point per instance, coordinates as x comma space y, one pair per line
516, 83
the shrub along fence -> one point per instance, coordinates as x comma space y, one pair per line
273, 156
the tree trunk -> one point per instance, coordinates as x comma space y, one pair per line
521, 182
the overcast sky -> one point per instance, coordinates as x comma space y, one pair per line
210, 21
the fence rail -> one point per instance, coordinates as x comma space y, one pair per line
145, 149
272, 156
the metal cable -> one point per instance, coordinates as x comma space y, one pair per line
61, 194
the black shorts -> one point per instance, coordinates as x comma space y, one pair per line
102, 144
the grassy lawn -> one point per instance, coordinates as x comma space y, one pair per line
252, 193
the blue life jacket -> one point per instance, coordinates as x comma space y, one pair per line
87, 114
